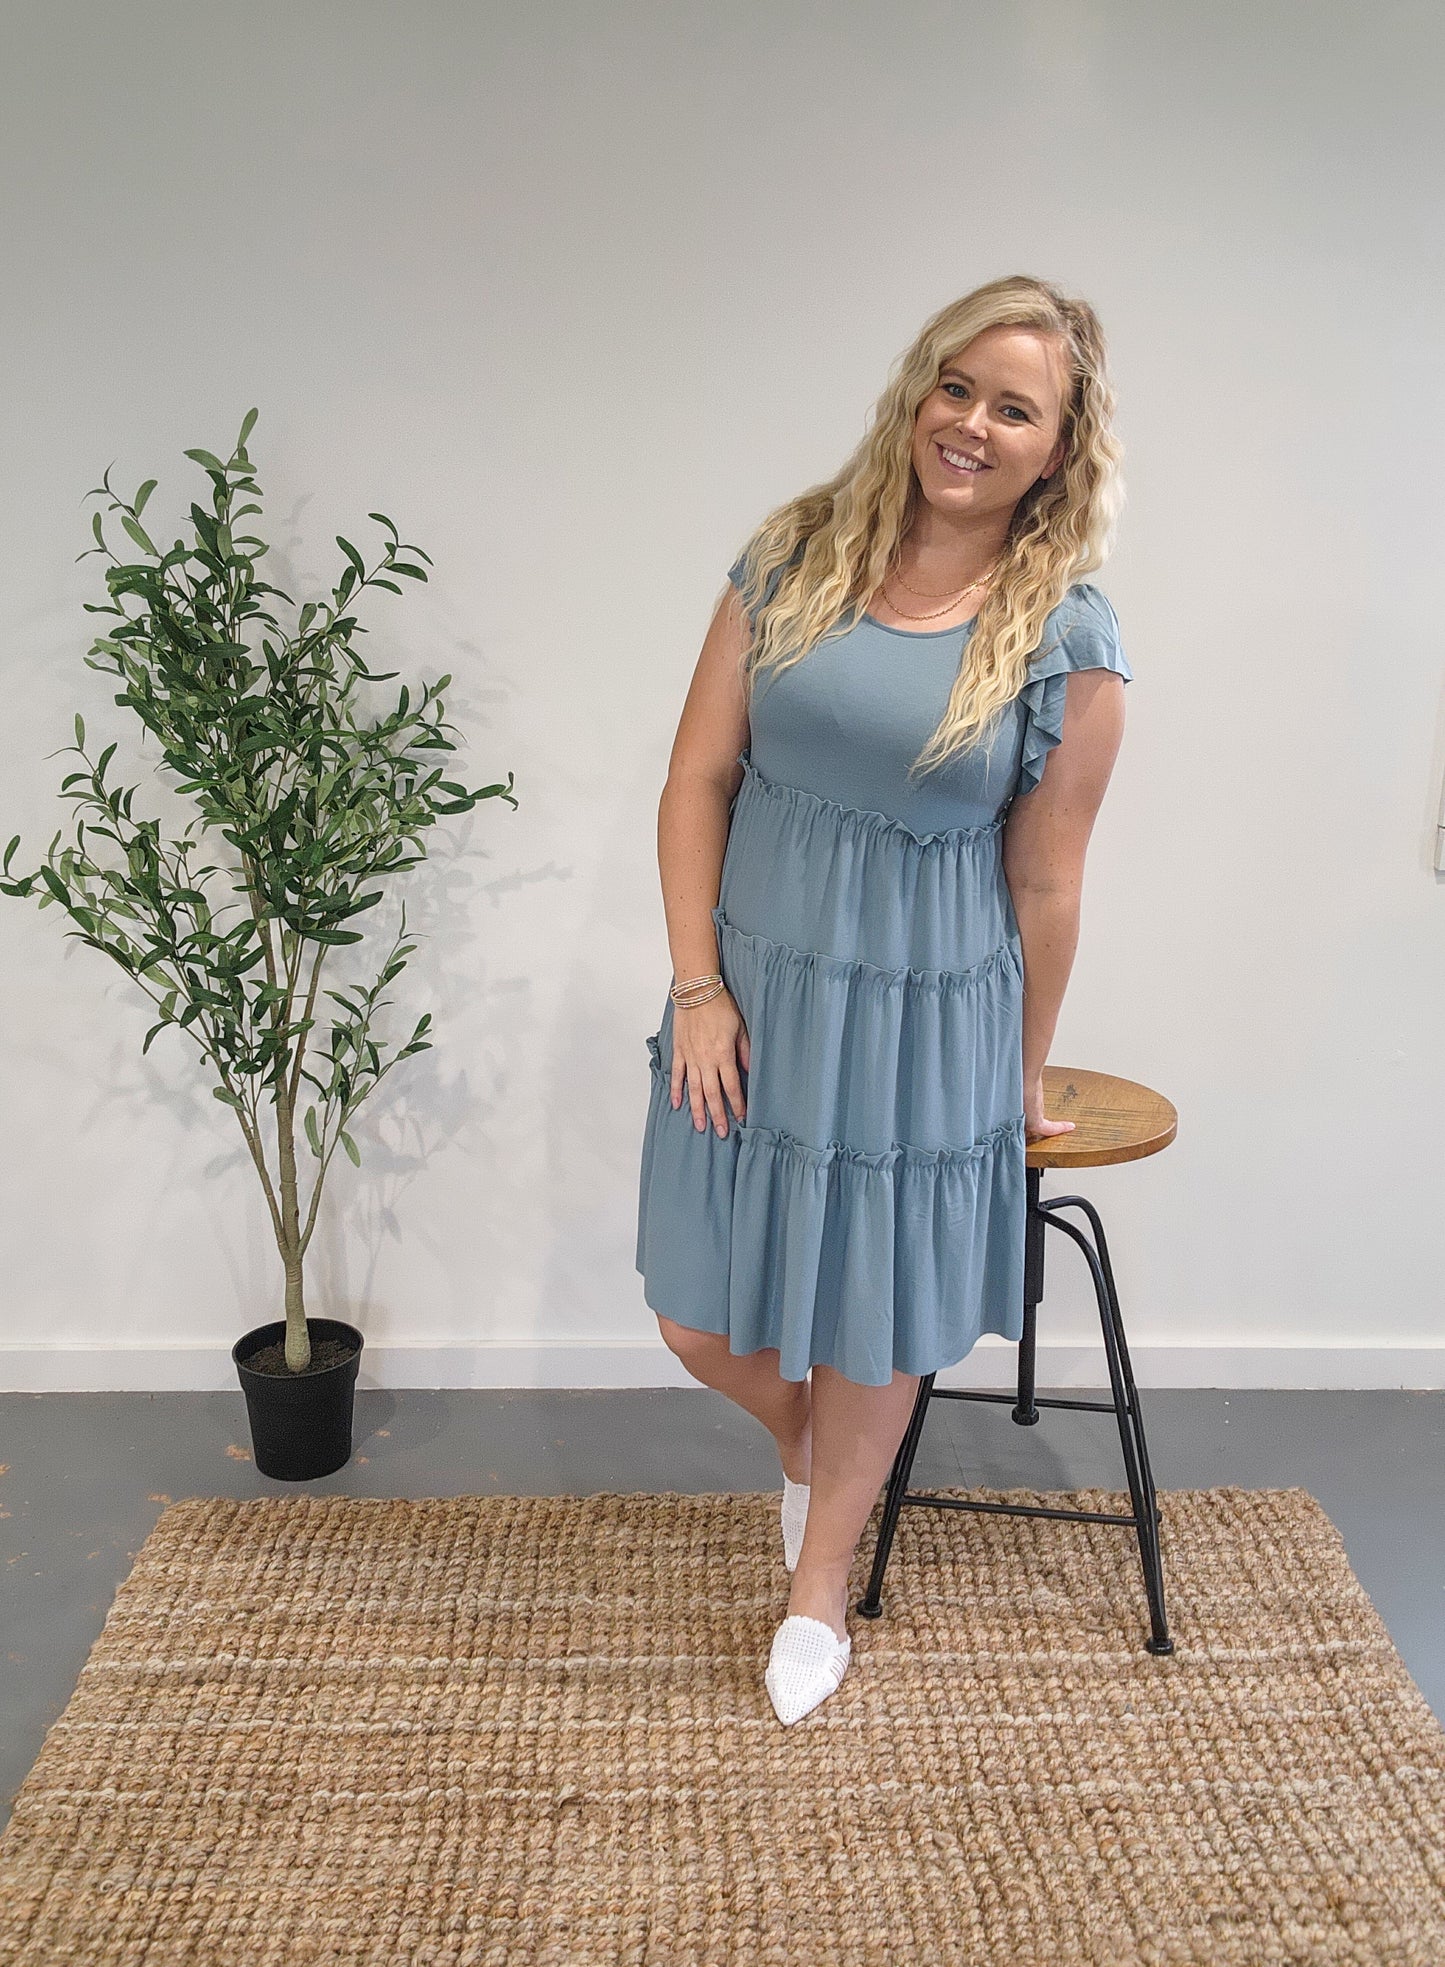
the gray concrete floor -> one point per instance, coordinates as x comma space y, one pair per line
85, 1477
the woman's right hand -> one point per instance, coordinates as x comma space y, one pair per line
709, 1041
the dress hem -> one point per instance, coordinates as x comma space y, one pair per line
747, 1352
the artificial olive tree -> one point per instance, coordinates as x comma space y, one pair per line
261, 727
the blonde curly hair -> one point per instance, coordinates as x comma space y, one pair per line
821, 556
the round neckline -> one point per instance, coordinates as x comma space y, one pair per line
920, 634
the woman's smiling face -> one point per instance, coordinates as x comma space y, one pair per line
998, 403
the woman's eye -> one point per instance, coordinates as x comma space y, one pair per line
950, 387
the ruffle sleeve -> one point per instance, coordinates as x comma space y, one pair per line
770, 586
1082, 634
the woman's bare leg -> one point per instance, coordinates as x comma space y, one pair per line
751, 1379
856, 1431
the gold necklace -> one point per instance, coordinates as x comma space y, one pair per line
982, 581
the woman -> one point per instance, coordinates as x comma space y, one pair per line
872, 886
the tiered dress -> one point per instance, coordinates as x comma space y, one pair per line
869, 1210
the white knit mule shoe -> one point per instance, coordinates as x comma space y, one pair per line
795, 1520
806, 1665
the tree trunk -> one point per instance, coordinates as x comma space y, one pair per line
298, 1339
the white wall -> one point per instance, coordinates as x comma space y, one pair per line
575, 294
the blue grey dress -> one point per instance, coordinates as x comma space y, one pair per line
869, 1211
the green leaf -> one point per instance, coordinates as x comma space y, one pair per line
79, 730
246, 428
137, 533
353, 556
311, 1133
350, 1145
226, 1098
143, 494
205, 458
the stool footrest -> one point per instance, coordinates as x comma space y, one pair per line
1011, 1399
1022, 1509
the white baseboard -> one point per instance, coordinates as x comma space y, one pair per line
194, 1368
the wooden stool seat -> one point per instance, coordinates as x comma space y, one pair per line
1114, 1120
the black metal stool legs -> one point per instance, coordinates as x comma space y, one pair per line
896, 1496
1125, 1405
1126, 1408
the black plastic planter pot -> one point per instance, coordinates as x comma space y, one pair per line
300, 1422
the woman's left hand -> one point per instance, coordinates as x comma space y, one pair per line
1036, 1127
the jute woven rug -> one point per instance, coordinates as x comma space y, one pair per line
506, 1731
